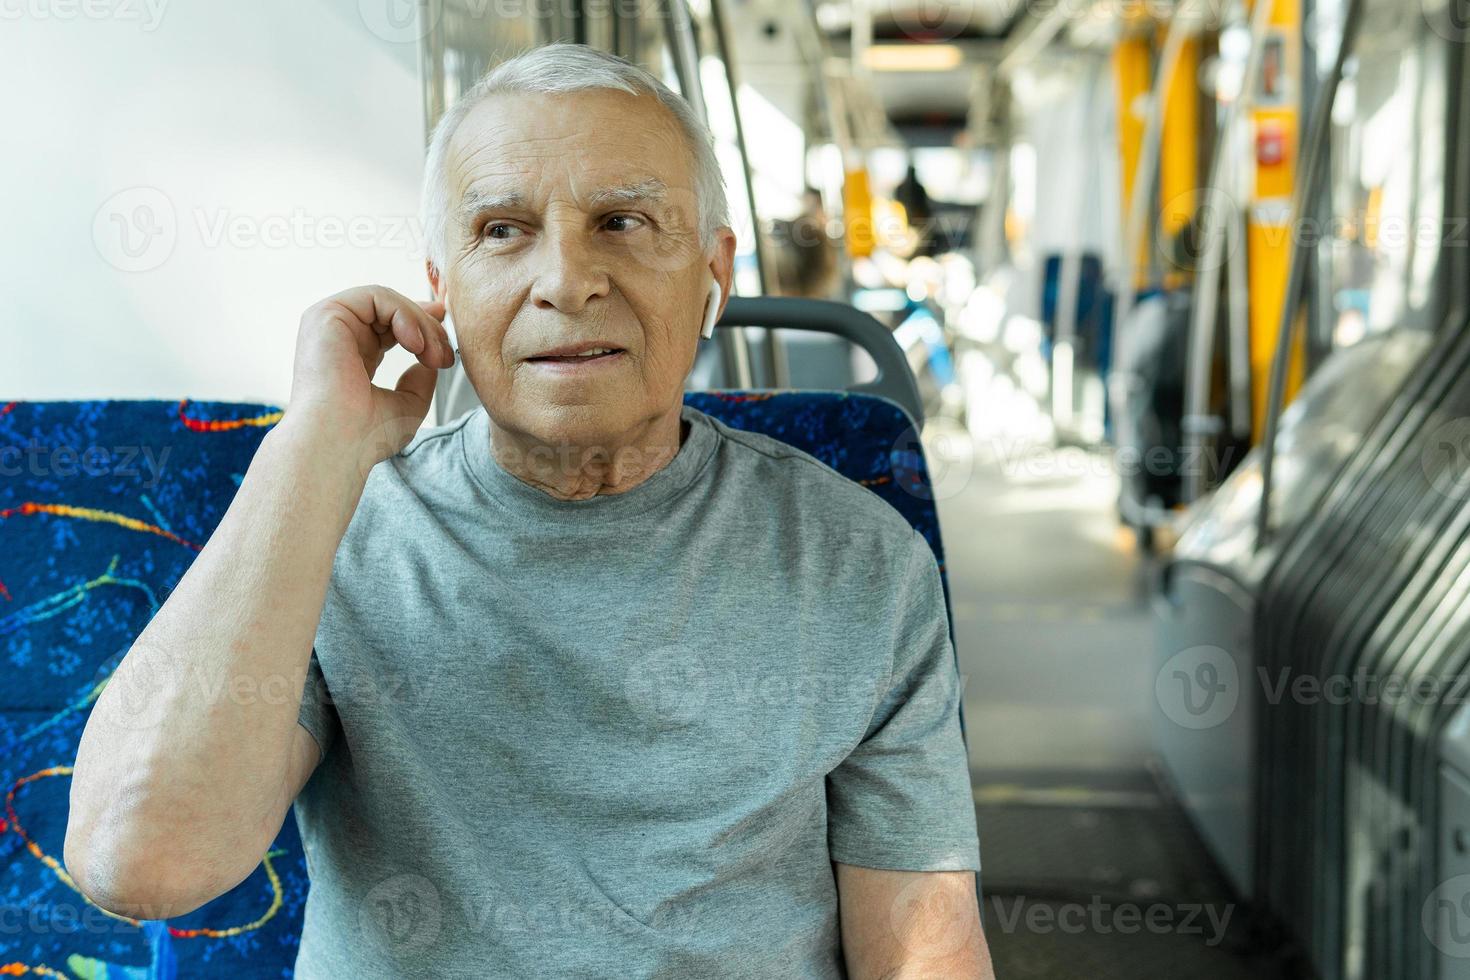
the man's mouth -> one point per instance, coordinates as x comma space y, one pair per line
585, 353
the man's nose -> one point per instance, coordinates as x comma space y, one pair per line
570, 273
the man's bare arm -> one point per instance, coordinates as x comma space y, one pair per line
192, 755
911, 925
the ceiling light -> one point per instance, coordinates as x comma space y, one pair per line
912, 57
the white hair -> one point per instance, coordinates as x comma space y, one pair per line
565, 67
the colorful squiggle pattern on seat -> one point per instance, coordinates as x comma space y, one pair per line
103, 505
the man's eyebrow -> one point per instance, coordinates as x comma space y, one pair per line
651, 190
476, 202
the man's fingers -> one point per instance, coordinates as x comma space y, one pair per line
437, 310
416, 385
420, 321
381, 317
415, 329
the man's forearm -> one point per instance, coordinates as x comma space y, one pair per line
911, 925
184, 759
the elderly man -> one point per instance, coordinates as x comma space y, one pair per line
594, 686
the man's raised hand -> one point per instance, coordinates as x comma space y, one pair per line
339, 347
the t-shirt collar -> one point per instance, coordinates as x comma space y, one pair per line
514, 494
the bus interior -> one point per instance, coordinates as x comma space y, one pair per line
1170, 295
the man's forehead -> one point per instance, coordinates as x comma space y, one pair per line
595, 129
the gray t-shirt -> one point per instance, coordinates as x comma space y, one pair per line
623, 736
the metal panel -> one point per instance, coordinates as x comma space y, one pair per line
1204, 722
1444, 914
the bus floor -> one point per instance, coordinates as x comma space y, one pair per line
1090, 870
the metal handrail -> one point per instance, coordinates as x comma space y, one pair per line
894, 381
1308, 185
1214, 229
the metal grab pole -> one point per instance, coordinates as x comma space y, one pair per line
733, 345
777, 373
1308, 184
1237, 305
1122, 375
1205, 308
1143, 175
679, 32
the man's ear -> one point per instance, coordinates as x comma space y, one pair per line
435, 282
722, 265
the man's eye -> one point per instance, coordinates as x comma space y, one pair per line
624, 222
501, 230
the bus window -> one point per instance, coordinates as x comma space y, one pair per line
1381, 245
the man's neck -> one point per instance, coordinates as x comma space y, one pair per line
570, 471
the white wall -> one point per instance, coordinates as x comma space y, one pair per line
1070, 120
274, 147
1072, 194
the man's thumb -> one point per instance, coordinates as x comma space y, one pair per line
416, 388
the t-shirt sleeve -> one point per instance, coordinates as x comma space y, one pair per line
902, 799
318, 715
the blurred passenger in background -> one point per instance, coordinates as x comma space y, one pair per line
915, 200
806, 254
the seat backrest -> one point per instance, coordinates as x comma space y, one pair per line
103, 506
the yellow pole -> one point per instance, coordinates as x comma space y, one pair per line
1179, 163
1131, 70
1275, 119
857, 208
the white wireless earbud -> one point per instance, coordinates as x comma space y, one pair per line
449, 329
712, 311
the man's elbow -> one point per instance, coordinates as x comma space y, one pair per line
970, 963
138, 887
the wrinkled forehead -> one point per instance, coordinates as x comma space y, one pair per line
530, 148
